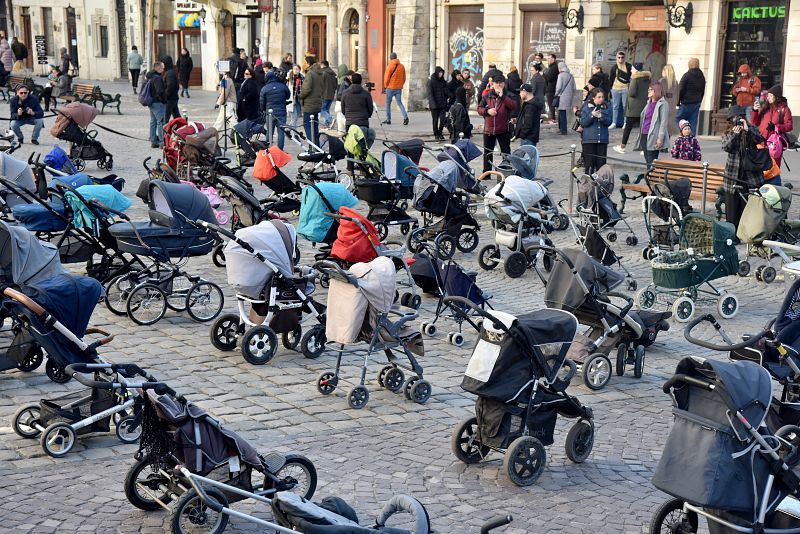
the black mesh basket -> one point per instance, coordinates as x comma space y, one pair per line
76, 407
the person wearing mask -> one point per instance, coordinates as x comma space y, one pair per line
273, 97
185, 66
247, 99
496, 108
529, 118
26, 111
637, 100
311, 97
772, 114
158, 105
690, 94
226, 102
135, 62
551, 79
564, 95
469, 87
654, 136
670, 86
598, 80
437, 102
595, 120
490, 74
739, 136
620, 77
746, 89
170, 89
460, 124
452, 85
58, 84
357, 105
394, 78
330, 84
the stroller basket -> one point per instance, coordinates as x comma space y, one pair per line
77, 406
500, 423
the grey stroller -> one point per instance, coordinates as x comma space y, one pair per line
595, 207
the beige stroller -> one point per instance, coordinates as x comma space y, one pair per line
364, 297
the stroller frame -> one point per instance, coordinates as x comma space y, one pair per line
588, 217
317, 166
662, 237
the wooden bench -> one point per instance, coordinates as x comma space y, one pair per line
80, 92
14, 82
699, 174
96, 95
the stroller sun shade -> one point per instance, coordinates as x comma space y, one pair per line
410, 148
17, 172
81, 114
316, 200
529, 155
172, 204
462, 152
399, 167
333, 146
70, 299
564, 293
247, 272
24, 259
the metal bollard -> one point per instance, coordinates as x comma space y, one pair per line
572, 150
269, 127
313, 129
705, 187
185, 114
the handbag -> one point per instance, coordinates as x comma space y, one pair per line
773, 171
756, 160
557, 98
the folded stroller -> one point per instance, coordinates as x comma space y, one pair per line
192, 151
585, 287
595, 207
364, 295
720, 462
669, 205
177, 432
71, 125
285, 196
520, 371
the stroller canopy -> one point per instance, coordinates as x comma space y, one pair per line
251, 274
352, 243
172, 204
411, 148
564, 293
315, 201
70, 299
204, 141
763, 213
518, 195
333, 146
462, 152
24, 259
447, 174
358, 142
399, 167
19, 173
80, 114
529, 155
83, 214
59, 160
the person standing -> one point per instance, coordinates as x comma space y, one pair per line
496, 108
686, 146
746, 89
135, 62
311, 97
296, 79
620, 77
6, 56
357, 105
772, 116
598, 80
530, 114
459, 117
66, 59
737, 139
437, 102
690, 94
670, 86
538, 84
654, 136
185, 66
19, 49
565, 95
157, 105
513, 80
26, 111
330, 84
551, 78
226, 101
273, 97
286, 65
595, 120
469, 87
247, 99
260, 50
394, 78
637, 100
452, 85
170, 89
489, 75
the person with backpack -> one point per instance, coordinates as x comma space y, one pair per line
273, 97
153, 94
771, 114
739, 138
746, 89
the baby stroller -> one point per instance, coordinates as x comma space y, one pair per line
663, 213
18, 173
595, 207
285, 196
71, 125
583, 286
319, 162
706, 253
316, 201
520, 371
144, 295
178, 433
260, 264
364, 296
113, 396
245, 138
765, 218
175, 132
720, 462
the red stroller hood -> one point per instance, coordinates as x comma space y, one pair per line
80, 114
354, 244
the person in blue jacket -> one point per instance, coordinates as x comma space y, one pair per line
595, 120
26, 111
273, 97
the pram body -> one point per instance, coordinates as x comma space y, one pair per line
245, 138
71, 126
519, 369
663, 213
595, 207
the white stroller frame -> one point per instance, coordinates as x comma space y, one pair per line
675, 220
311, 168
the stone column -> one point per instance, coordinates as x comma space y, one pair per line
412, 44
331, 36
362, 38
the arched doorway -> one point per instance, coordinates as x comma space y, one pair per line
350, 38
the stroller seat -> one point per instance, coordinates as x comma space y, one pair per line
649, 318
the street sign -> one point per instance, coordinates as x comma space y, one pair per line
265, 6
41, 50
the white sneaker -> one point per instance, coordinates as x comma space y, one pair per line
618, 148
612, 127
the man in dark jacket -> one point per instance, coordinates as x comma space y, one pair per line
331, 83
158, 94
170, 89
357, 106
311, 96
273, 98
492, 73
19, 49
538, 84
437, 101
496, 107
550, 78
233, 68
691, 90
26, 111
530, 115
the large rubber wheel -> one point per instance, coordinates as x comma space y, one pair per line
204, 301
467, 240
25, 420
192, 516
744, 268
142, 473
515, 265
414, 240
525, 460
313, 342
489, 257
465, 444
58, 439
291, 340
394, 379
638, 364
56, 372
596, 371
671, 519
298, 475
683, 309
622, 356
768, 274
444, 246
127, 430
645, 298
146, 304
382, 230
224, 332
727, 306
421, 391
259, 345
580, 440
218, 255
32, 360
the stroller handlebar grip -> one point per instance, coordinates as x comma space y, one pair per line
687, 333
496, 522
488, 174
24, 300
108, 338
669, 384
335, 271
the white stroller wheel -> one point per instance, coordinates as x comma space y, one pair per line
727, 305
683, 309
259, 345
58, 439
126, 431
597, 371
457, 339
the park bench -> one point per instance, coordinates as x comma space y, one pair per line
706, 181
14, 82
80, 92
96, 95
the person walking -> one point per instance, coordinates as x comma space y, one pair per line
26, 111
564, 96
496, 108
595, 120
437, 102
273, 98
135, 62
620, 76
158, 104
469, 87
330, 84
357, 105
686, 146
739, 136
529, 118
746, 89
394, 78
670, 86
654, 135
170, 89
296, 79
551, 78
19, 49
311, 97
185, 66
773, 114
690, 94
637, 100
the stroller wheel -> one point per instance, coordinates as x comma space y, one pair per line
457, 339
670, 517
612, 236
192, 515
405, 228
429, 329
561, 222
312, 344
297, 475
645, 298
525, 460
56, 372
291, 340
110, 164
580, 440
394, 379
382, 374
404, 299
79, 164
728, 305
128, 431
632, 240
744, 268
142, 479
488, 257
414, 302
383, 231
327, 382
101, 164
768, 274
515, 265
117, 291
596, 371
33, 359
58, 439
444, 246
683, 309
259, 345
413, 379
358, 397
218, 256
421, 391
204, 301
224, 332
146, 304
414, 240
26, 419
467, 240
638, 366
622, 356
465, 444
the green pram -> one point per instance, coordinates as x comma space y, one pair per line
706, 253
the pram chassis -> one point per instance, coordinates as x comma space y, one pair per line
656, 245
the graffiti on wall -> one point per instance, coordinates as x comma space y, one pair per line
466, 48
542, 33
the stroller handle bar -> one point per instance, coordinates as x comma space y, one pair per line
782, 246
488, 174
496, 522
25, 301
127, 370
729, 345
333, 270
97, 204
681, 378
497, 323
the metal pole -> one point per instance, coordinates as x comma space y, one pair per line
314, 129
269, 127
705, 187
572, 150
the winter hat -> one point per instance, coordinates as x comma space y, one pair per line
744, 68
638, 66
777, 92
499, 78
526, 87
683, 124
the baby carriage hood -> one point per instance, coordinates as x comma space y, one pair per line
708, 237
519, 194
410, 148
358, 144
763, 213
83, 216
399, 167
679, 192
202, 142
59, 160
28, 259
333, 146
529, 154
521, 167
563, 293
446, 174
80, 114
352, 244
70, 299
172, 204
20, 174
462, 152
313, 224
248, 273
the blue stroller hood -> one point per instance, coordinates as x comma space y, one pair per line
527, 157
83, 215
462, 152
446, 174
316, 200
399, 167
76, 180
24, 259
59, 160
70, 299
171, 205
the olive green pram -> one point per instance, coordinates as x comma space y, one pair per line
683, 277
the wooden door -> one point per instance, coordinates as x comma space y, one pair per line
166, 44
27, 38
72, 38
190, 39
316, 36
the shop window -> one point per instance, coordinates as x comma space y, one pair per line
47, 21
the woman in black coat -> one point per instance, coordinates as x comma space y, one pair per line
185, 67
437, 101
170, 89
247, 102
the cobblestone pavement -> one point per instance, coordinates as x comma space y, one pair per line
365, 456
